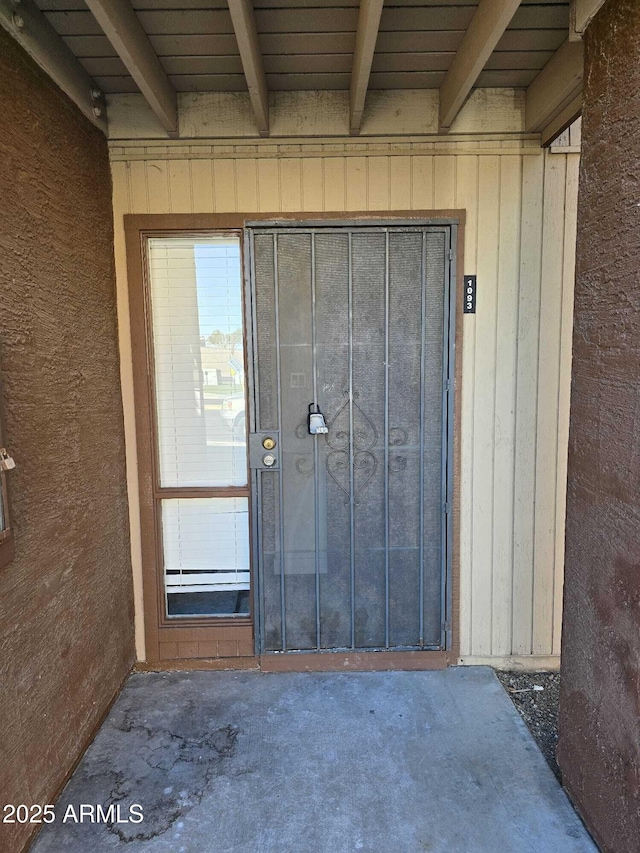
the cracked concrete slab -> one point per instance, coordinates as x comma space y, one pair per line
247, 762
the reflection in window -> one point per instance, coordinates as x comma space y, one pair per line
196, 301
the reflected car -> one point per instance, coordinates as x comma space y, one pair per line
233, 413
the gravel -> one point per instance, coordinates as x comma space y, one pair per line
538, 708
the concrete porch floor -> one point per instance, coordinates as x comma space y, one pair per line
245, 762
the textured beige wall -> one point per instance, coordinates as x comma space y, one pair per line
521, 205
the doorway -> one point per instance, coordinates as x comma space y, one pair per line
352, 526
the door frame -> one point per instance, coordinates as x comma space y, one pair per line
229, 642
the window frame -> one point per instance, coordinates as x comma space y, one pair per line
168, 638
7, 542
161, 492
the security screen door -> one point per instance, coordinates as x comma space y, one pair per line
351, 527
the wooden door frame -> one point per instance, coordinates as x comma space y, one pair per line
228, 642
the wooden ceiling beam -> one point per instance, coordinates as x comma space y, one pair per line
244, 24
491, 19
556, 90
124, 30
29, 27
366, 37
582, 12
562, 121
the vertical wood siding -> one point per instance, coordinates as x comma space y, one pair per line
520, 239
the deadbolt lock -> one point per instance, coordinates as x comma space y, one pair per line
263, 450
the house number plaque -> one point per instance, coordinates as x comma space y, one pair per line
469, 294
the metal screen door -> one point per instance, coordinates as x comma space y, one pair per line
351, 528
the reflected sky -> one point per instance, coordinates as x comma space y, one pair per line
218, 285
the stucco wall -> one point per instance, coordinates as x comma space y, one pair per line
520, 240
600, 701
66, 634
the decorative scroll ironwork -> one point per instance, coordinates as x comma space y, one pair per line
304, 465
365, 434
397, 464
364, 461
365, 437
398, 437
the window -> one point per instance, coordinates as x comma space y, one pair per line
195, 290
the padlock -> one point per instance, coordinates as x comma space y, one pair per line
316, 421
6, 462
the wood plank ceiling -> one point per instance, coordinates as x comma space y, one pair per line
309, 44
